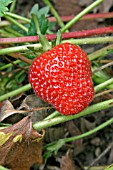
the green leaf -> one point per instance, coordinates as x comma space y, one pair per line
34, 9
3, 6
43, 11
41, 17
32, 29
43, 23
55, 146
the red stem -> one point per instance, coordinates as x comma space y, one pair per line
86, 17
76, 34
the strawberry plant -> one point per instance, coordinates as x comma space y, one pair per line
35, 53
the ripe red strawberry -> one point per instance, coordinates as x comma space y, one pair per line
62, 77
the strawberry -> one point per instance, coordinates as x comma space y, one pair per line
62, 77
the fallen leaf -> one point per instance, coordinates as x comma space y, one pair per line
67, 162
32, 102
23, 146
7, 110
110, 159
6, 105
84, 3
74, 131
104, 7
87, 124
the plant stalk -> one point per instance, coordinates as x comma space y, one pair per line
101, 126
81, 14
67, 35
15, 92
16, 23
97, 40
54, 12
60, 119
103, 85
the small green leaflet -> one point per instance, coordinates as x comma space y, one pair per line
43, 11
3, 6
41, 15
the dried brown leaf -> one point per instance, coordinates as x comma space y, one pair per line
6, 106
104, 7
32, 102
87, 124
67, 162
74, 131
23, 147
84, 3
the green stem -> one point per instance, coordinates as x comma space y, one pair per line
43, 40
17, 17
103, 125
102, 52
6, 34
36, 23
9, 65
15, 92
54, 12
54, 114
15, 33
96, 40
19, 48
76, 18
103, 85
61, 119
12, 7
16, 23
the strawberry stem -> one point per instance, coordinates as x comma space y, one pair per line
9, 65
43, 40
86, 17
15, 33
16, 16
6, 34
103, 85
102, 52
70, 139
76, 34
16, 23
58, 38
54, 114
101, 126
81, 14
94, 40
36, 23
97, 40
15, 92
60, 119
54, 12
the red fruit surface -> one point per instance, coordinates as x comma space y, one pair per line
62, 77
